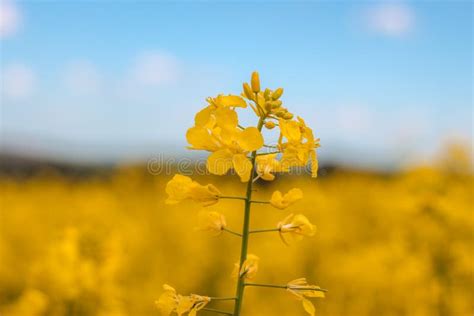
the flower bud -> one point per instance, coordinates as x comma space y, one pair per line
267, 93
255, 82
248, 91
276, 104
268, 105
288, 116
270, 124
277, 94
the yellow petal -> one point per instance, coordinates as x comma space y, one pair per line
203, 117
219, 162
290, 130
309, 307
231, 100
294, 195
178, 189
226, 119
250, 139
242, 166
200, 138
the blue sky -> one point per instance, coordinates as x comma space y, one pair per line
380, 82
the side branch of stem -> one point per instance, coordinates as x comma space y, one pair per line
223, 298
232, 232
212, 310
305, 288
259, 202
264, 230
232, 197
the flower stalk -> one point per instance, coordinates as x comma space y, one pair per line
246, 230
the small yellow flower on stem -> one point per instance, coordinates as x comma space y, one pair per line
212, 222
229, 144
191, 304
249, 268
170, 302
301, 289
281, 201
267, 165
181, 188
296, 226
300, 146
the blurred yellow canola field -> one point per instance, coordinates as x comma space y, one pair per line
386, 244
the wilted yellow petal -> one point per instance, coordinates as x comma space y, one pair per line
178, 188
211, 221
283, 201
308, 307
166, 303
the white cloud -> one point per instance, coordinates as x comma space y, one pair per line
391, 19
155, 69
82, 77
18, 81
10, 18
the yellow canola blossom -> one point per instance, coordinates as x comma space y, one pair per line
170, 302
267, 165
212, 222
281, 201
181, 188
300, 145
301, 289
296, 226
217, 131
249, 268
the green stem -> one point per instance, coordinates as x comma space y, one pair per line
222, 298
232, 232
264, 230
245, 230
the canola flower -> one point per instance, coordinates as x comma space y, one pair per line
181, 188
282, 201
234, 147
170, 302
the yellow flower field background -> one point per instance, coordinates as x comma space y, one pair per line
104, 243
